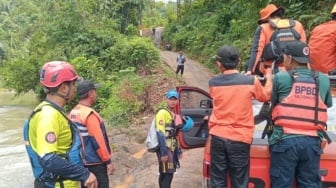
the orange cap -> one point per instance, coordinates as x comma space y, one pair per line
268, 10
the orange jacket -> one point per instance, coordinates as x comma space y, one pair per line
232, 114
91, 126
262, 37
297, 112
322, 44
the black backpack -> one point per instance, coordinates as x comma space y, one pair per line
284, 33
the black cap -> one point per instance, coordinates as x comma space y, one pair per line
298, 50
227, 55
84, 87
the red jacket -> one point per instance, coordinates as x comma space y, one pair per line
322, 44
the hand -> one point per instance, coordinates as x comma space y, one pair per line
110, 169
180, 156
248, 73
164, 158
268, 71
91, 181
206, 118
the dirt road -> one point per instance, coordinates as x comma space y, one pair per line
190, 173
194, 73
136, 168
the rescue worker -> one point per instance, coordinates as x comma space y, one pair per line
169, 150
322, 44
300, 98
50, 134
231, 122
270, 16
96, 147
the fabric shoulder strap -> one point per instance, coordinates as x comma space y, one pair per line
314, 74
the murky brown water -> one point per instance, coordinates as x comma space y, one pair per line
14, 164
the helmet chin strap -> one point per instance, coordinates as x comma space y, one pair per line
66, 97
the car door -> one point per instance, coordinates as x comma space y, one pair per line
197, 104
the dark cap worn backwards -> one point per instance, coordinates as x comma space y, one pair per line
298, 50
227, 55
84, 87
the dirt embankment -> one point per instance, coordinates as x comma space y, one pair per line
134, 166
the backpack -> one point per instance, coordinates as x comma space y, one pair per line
152, 142
284, 33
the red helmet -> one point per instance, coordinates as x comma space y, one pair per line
55, 73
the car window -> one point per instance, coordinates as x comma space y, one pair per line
191, 99
332, 117
260, 127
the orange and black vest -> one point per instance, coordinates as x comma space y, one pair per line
90, 146
302, 111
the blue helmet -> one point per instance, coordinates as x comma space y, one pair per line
172, 93
189, 123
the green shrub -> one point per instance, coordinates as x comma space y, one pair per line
126, 99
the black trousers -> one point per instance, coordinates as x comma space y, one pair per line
100, 171
229, 159
180, 68
165, 180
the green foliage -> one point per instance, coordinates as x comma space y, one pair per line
100, 39
155, 13
205, 25
126, 99
135, 52
88, 34
20, 75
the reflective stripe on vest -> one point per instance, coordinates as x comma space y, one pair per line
296, 113
90, 146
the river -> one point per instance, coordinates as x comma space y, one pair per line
14, 164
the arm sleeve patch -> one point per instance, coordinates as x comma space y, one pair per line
50, 137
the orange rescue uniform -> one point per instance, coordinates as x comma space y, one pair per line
262, 37
322, 44
232, 94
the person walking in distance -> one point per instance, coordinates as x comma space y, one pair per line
300, 97
96, 147
180, 63
55, 153
231, 122
322, 44
273, 31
